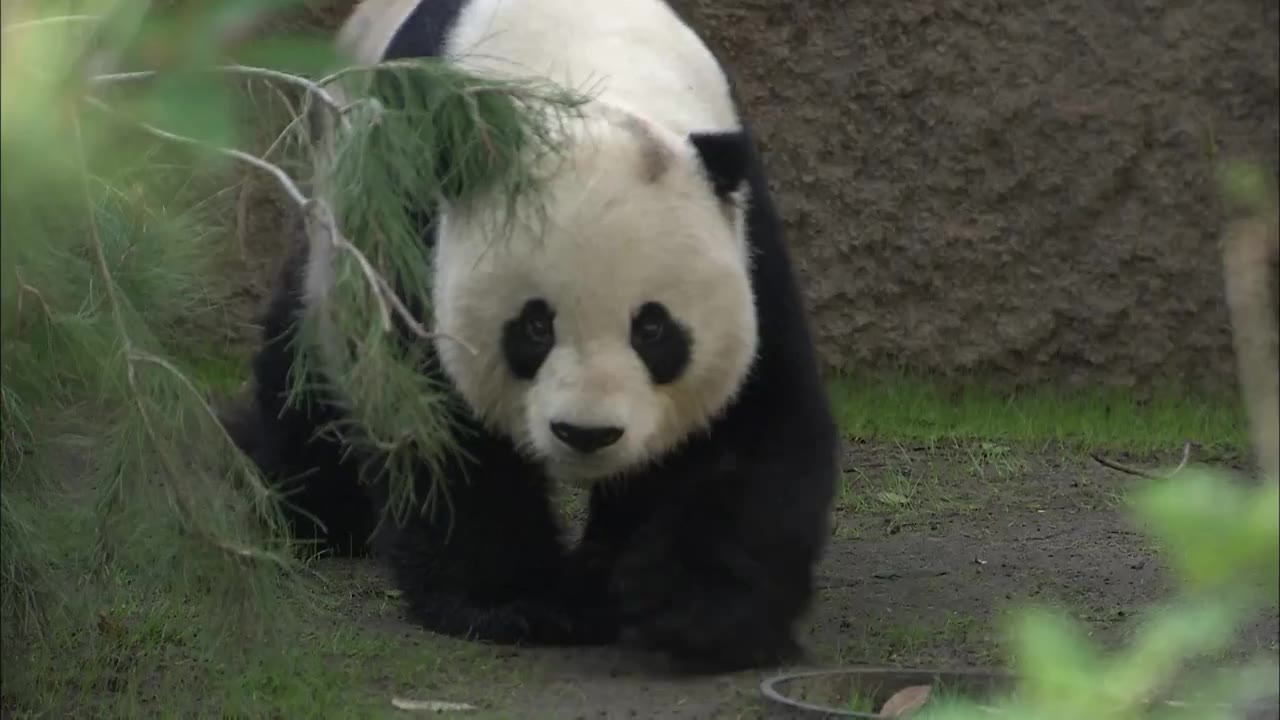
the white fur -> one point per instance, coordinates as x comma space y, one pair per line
616, 237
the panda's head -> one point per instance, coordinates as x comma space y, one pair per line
606, 333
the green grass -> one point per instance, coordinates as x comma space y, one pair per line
883, 641
219, 373
116, 651
977, 439
869, 700
344, 670
897, 407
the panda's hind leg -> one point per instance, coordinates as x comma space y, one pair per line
316, 477
489, 564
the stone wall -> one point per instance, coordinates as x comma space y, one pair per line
1027, 188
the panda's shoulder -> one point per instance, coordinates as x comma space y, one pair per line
378, 30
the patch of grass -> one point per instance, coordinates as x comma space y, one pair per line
992, 461
116, 648
897, 487
219, 373
340, 672
906, 408
869, 700
898, 494
861, 702
913, 642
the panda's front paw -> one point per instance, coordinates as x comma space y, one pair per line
523, 621
584, 589
708, 612
585, 575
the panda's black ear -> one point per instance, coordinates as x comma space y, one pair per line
726, 156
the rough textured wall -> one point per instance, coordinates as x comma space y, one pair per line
1023, 187
1019, 187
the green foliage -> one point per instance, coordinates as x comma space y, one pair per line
915, 407
1249, 186
119, 486
1221, 535
385, 171
136, 537
185, 42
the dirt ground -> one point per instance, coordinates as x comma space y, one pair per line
929, 546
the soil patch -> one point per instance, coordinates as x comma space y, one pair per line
930, 545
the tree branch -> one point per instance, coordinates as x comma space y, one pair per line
313, 89
53, 20
313, 209
1186, 455
262, 492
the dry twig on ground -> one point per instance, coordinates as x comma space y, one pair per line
1186, 455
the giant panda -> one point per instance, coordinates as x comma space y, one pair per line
650, 345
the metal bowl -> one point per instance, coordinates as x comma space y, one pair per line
821, 694
814, 694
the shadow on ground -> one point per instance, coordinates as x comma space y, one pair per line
929, 546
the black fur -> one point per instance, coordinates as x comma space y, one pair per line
527, 339
313, 472
726, 156
424, 33
661, 342
707, 556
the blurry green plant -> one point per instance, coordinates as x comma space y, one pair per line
118, 488
1222, 539
130, 524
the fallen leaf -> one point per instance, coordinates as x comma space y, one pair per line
430, 705
905, 701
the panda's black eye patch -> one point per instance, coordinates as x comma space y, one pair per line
528, 338
661, 342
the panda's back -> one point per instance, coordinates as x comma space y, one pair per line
637, 54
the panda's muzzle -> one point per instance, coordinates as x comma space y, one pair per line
586, 439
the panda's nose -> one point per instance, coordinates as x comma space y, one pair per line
586, 439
